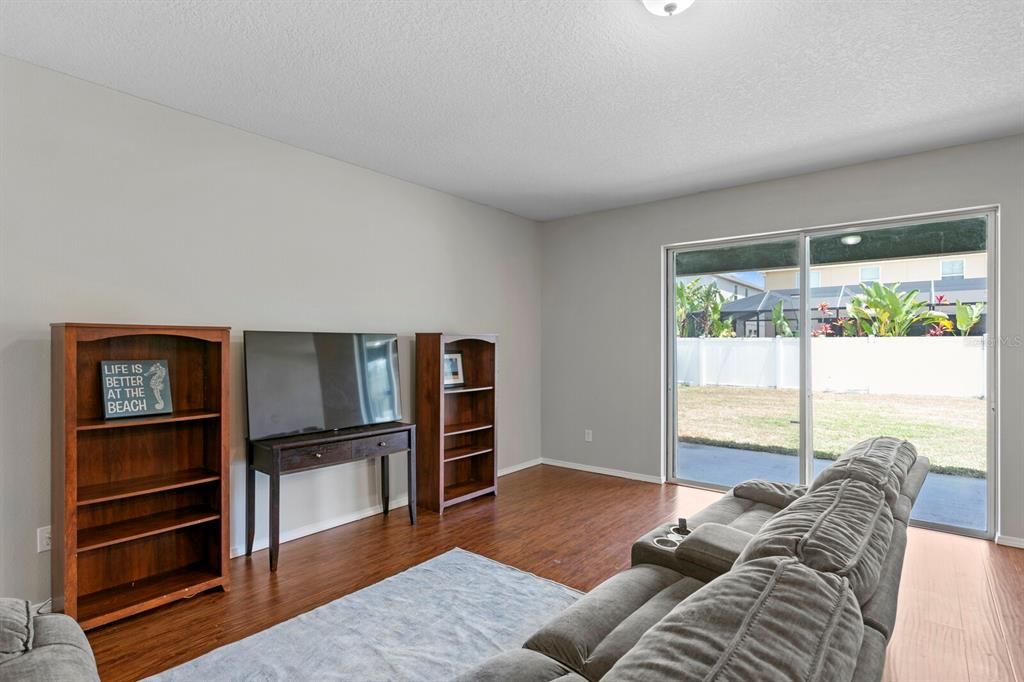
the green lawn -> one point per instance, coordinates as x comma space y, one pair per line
949, 431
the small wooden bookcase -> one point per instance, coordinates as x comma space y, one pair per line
140, 504
456, 426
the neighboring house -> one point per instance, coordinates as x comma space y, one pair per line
734, 284
962, 266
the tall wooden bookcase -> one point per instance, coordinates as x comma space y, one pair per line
456, 437
140, 504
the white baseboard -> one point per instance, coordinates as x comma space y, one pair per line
519, 467
601, 470
1009, 541
326, 524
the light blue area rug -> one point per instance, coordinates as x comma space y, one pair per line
430, 623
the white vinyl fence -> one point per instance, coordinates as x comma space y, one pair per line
919, 365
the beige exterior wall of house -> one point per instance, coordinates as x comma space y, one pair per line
903, 270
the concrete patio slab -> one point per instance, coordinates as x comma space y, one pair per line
950, 500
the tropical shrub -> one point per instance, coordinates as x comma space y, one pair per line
699, 310
714, 325
881, 310
687, 300
968, 316
780, 322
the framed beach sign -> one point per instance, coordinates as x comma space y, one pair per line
134, 388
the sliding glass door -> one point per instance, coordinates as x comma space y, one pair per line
784, 352
737, 380
899, 348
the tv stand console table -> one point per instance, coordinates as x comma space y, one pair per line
288, 454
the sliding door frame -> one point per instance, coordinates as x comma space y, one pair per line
670, 407
806, 456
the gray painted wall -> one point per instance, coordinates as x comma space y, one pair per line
273, 238
293, 240
602, 293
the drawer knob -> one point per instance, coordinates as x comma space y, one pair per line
319, 455
382, 443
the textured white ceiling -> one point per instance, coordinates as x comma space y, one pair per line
549, 108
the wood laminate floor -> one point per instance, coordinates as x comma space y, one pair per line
961, 614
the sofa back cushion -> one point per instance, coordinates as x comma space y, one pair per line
771, 619
775, 493
843, 528
883, 462
15, 628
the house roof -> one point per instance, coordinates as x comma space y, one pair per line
969, 290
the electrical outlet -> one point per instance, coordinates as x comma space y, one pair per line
43, 540
588, 435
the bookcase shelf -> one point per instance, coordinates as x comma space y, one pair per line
121, 601
456, 426
133, 529
466, 427
144, 485
128, 422
461, 492
140, 504
461, 452
464, 389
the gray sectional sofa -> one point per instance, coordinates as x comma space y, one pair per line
46, 647
772, 582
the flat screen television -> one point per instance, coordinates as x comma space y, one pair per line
303, 382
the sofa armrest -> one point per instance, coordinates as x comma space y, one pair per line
42, 647
772, 493
710, 550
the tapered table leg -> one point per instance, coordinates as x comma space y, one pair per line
275, 517
250, 503
411, 474
385, 481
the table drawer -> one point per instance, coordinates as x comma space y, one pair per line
381, 445
313, 456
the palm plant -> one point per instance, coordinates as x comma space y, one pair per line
687, 301
780, 322
712, 299
968, 316
881, 310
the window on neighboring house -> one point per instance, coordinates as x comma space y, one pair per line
953, 269
815, 279
871, 273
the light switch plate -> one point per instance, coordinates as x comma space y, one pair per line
43, 539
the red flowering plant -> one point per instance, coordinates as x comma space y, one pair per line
940, 299
940, 328
847, 326
822, 330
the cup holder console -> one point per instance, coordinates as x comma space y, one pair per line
666, 542
673, 537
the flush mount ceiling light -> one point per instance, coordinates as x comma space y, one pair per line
850, 239
666, 8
